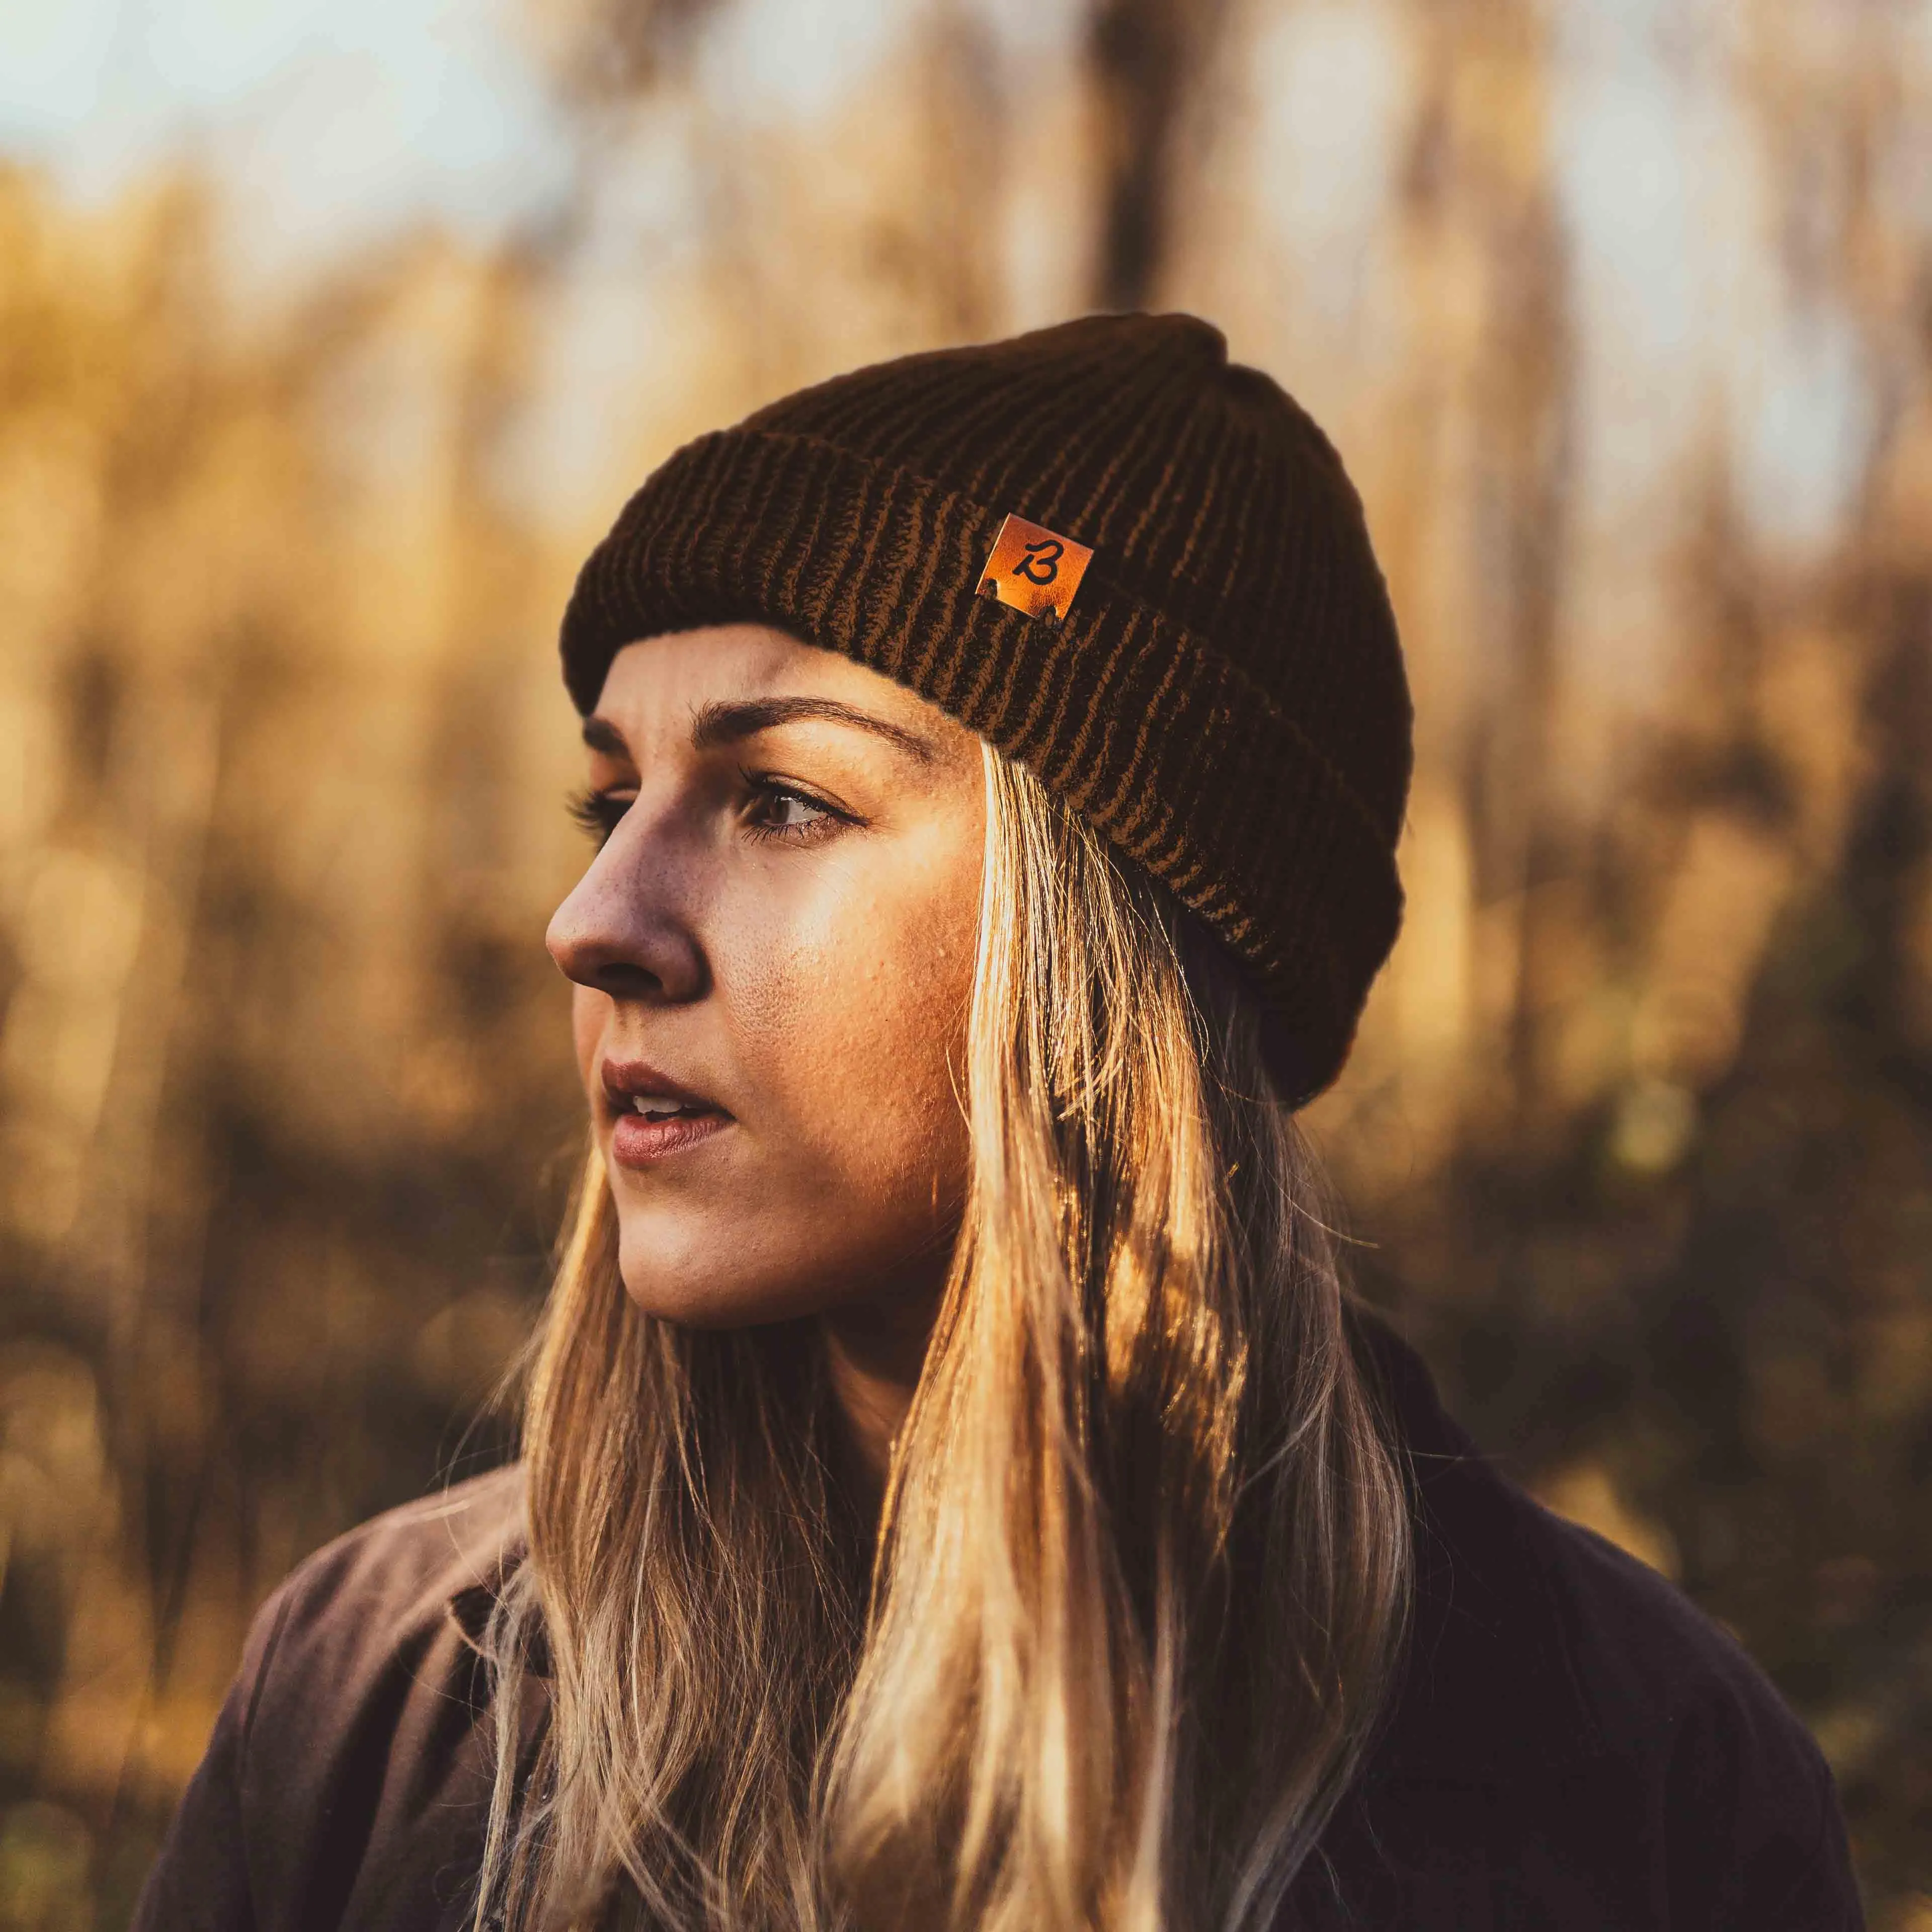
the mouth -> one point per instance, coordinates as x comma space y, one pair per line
654, 1116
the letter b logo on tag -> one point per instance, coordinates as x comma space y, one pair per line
1034, 569
1041, 564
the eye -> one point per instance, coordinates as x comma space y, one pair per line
779, 811
598, 812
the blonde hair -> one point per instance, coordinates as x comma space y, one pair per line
1139, 1585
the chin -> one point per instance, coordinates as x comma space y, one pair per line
714, 1307
675, 1275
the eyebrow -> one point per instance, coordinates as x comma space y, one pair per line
722, 724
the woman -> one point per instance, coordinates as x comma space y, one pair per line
957, 1491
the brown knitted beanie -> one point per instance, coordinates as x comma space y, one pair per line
1224, 695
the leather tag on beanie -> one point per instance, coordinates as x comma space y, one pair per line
1034, 569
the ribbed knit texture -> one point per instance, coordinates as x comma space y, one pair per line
1226, 699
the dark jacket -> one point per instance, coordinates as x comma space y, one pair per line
1575, 1747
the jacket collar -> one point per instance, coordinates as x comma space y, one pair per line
1488, 1692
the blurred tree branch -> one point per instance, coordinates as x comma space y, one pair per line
609, 53
1149, 58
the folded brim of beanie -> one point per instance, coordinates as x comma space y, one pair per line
1134, 719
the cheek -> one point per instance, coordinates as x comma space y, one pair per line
859, 1018
846, 1011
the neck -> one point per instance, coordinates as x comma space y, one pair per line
873, 1352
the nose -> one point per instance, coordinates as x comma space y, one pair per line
626, 930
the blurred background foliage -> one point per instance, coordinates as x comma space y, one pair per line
1622, 314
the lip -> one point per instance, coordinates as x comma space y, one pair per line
623, 1080
636, 1142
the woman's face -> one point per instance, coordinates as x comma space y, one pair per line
773, 951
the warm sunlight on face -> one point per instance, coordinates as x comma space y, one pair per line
773, 952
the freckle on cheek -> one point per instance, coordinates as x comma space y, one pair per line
778, 990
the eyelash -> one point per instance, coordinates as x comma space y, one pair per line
597, 812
